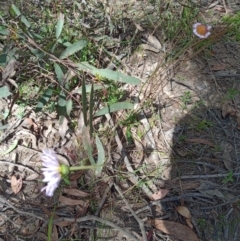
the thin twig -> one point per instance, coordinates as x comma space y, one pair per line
101, 220
6, 202
140, 222
132, 176
206, 176
222, 204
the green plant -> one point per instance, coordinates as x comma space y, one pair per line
228, 178
204, 124
233, 29
186, 99
232, 93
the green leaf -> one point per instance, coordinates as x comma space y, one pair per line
44, 99
59, 26
116, 76
101, 157
108, 74
25, 22
4, 31
114, 107
3, 59
91, 104
84, 101
15, 11
89, 87
62, 99
11, 148
4, 92
69, 105
59, 73
73, 49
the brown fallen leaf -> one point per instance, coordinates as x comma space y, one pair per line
68, 201
217, 66
75, 192
189, 223
184, 211
160, 194
16, 184
227, 108
175, 230
201, 141
238, 119
30, 124
227, 160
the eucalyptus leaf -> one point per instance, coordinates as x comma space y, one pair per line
69, 106
73, 49
114, 107
44, 99
25, 22
59, 26
15, 11
62, 100
58, 72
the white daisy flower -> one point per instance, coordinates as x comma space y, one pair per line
201, 30
51, 170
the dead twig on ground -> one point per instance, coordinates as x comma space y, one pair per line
140, 222
101, 220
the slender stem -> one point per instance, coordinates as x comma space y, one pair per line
83, 167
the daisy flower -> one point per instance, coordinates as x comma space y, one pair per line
52, 171
201, 30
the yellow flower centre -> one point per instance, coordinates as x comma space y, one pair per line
202, 29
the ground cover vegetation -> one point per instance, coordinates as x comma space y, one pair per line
119, 120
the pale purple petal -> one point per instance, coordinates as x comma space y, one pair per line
51, 171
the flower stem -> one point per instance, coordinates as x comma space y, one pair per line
83, 167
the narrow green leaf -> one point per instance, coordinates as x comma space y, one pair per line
89, 87
4, 92
69, 105
59, 26
114, 107
73, 49
25, 22
101, 157
108, 74
11, 148
91, 104
15, 11
84, 101
44, 99
116, 76
59, 73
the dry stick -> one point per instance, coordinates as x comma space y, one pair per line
206, 176
140, 222
101, 220
6, 202
101, 204
132, 177
17, 165
222, 204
